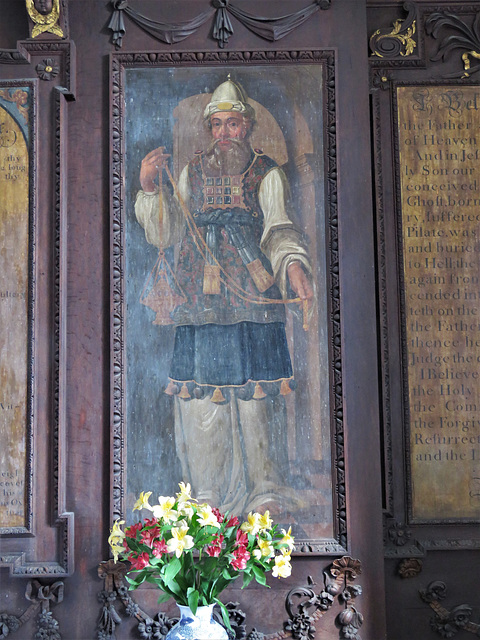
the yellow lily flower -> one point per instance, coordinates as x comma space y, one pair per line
116, 538
252, 524
185, 509
207, 517
164, 509
180, 540
282, 568
185, 493
142, 502
288, 539
265, 522
265, 547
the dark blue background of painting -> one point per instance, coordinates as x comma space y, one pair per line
151, 95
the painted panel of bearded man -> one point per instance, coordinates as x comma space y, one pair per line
231, 262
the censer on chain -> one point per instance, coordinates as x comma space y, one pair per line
158, 293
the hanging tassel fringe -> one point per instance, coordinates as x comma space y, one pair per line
171, 389
211, 279
285, 388
263, 280
218, 396
184, 392
259, 392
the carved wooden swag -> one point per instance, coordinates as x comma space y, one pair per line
271, 29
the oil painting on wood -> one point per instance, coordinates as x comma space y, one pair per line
226, 378
14, 302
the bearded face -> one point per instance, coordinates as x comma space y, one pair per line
230, 150
228, 161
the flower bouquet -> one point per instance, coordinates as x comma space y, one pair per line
192, 552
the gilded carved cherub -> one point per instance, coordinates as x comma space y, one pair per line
45, 15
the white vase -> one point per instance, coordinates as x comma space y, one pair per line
200, 626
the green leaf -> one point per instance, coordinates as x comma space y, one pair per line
247, 578
133, 583
192, 597
226, 574
224, 611
163, 597
171, 570
259, 575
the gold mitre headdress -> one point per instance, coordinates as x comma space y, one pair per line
229, 96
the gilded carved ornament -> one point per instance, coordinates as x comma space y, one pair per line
45, 22
389, 43
466, 61
457, 34
405, 39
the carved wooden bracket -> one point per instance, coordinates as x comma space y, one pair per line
447, 623
409, 568
391, 43
271, 29
41, 596
466, 38
303, 605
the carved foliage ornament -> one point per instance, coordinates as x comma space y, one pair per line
336, 584
302, 604
399, 41
466, 37
45, 15
409, 568
271, 29
41, 596
448, 623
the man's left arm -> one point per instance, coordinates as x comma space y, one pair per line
281, 242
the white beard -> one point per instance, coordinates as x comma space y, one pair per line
227, 162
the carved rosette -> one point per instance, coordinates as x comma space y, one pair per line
399, 534
47, 69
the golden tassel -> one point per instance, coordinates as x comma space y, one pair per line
262, 279
211, 279
259, 392
184, 392
171, 389
305, 315
218, 396
285, 388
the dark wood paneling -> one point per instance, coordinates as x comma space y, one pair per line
342, 28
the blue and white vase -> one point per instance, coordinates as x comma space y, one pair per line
201, 626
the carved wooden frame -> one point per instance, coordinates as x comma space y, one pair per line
403, 538
118, 63
32, 224
47, 322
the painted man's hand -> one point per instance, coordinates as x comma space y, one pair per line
153, 162
299, 281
